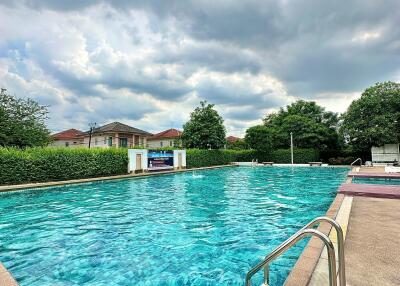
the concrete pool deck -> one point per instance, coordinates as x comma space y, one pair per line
6, 278
372, 244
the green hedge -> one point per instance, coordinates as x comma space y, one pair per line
203, 158
299, 156
53, 164
343, 156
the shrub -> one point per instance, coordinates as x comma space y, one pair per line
299, 156
344, 156
341, 160
52, 164
202, 158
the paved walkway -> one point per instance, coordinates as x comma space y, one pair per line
372, 245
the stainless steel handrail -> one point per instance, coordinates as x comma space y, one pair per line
356, 161
289, 243
340, 241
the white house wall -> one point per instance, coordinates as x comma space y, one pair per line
157, 143
72, 143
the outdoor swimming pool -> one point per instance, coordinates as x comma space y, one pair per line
194, 228
376, 181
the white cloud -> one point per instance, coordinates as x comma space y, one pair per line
365, 36
150, 65
336, 102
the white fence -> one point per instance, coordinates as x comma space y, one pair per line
386, 153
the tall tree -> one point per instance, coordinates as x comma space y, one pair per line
373, 119
312, 126
259, 138
205, 128
22, 122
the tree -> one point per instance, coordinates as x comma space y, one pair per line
22, 122
205, 128
239, 144
259, 138
373, 119
312, 126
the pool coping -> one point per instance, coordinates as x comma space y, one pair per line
306, 264
6, 279
8, 188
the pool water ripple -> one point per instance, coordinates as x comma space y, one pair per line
194, 228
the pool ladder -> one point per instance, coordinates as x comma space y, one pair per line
306, 231
355, 161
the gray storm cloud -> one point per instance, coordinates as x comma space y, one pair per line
145, 61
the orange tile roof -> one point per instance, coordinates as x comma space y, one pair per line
170, 133
68, 134
232, 139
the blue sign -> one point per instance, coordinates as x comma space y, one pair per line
160, 160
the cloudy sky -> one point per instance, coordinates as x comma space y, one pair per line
149, 63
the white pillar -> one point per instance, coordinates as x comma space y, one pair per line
291, 145
116, 140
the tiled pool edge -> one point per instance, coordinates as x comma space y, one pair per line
303, 270
6, 279
9, 188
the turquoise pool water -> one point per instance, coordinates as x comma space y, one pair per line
376, 181
195, 228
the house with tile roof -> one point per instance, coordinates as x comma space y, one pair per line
166, 138
232, 139
115, 134
68, 138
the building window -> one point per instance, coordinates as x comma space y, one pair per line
161, 143
66, 144
170, 143
110, 141
123, 142
141, 141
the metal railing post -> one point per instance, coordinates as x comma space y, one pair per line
289, 243
266, 275
340, 242
356, 161
307, 230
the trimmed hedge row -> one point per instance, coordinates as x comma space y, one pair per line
55, 164
343, 157
204, 158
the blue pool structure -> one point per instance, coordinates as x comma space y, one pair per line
376, 181
204, 227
